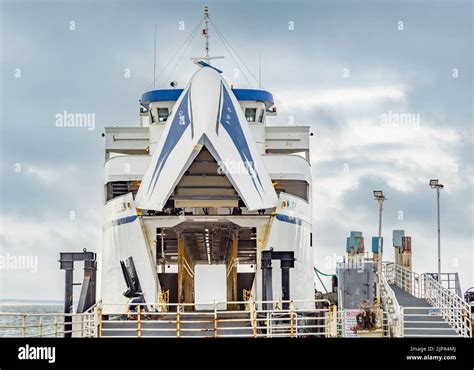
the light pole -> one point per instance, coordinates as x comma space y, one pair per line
434, 184
379, 197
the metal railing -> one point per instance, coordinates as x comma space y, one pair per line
430, 322
452, 308
340, 323
42, 325
449, 280
299, 319
393, 310
411, 282
388, 270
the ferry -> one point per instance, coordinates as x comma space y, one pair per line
206, 180
207, 232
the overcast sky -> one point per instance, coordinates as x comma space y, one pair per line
342, 67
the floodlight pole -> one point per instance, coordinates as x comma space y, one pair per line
434, 184
439, 235
379, 262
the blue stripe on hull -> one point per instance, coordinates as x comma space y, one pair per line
290, 219
120, 221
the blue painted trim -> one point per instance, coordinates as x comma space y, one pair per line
121, 221
202, 63
254, 94
230, 121
174, 94
180, 123
289, 219
160, 95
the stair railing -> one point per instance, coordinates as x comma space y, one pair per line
455, 311
453, 308
391, 306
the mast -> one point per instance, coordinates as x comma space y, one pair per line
154, 61
205, 32
206, 59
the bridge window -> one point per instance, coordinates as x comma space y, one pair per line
250, 114
260, 117
163, 114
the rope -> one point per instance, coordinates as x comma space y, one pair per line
230, 53
322, 273
229, 48
182, 54
235, 61
185, 45
324, 286
187, 41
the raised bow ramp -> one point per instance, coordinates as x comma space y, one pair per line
207, 114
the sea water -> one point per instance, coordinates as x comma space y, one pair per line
14, 315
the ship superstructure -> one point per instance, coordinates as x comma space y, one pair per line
206, 180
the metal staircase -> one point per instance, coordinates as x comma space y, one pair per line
421, 307
420, 319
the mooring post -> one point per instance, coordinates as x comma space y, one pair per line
68, 303
87, 299
285, 285
287, 261
267, 288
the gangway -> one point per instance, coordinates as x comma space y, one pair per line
424, 307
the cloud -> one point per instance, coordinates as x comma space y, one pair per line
349, 97
83, 71
43, 239
398, 154
50, 190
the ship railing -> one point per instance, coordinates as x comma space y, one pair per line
40, 325
298, 318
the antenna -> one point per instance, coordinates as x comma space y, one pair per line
154, 61
205, 31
